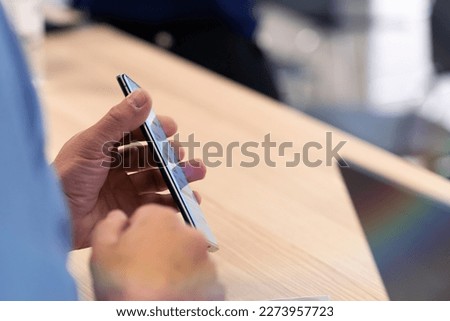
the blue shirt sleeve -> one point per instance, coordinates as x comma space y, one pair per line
35, 234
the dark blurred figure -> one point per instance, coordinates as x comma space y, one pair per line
322, 12
441, 35
217, 34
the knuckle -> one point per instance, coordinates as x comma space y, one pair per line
115, 115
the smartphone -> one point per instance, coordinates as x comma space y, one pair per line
164, 156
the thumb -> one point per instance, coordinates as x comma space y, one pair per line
108, 231
123, 118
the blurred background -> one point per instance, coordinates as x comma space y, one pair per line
375, 68
378, 69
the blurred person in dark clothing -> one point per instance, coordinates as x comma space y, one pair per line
217, 34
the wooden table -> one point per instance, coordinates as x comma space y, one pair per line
283, 232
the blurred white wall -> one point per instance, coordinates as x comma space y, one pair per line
378, 58
399, 57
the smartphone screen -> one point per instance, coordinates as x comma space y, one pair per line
172, 173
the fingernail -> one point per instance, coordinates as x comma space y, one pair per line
137, 99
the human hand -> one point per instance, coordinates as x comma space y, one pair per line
151, 256
94, 187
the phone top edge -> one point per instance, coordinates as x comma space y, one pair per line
123, 84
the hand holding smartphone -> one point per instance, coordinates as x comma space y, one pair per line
173, 174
